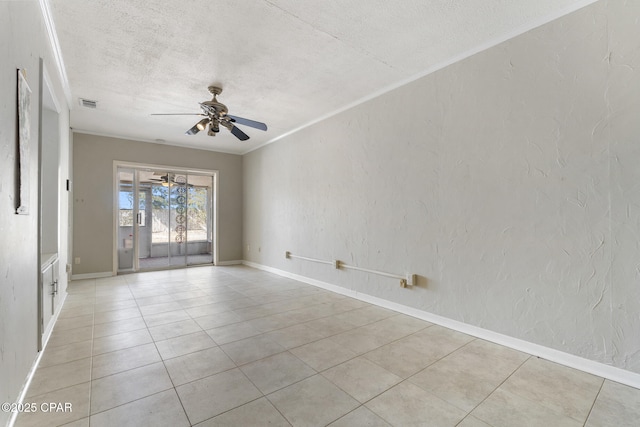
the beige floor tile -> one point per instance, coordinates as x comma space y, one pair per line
84, 422
76, 396
159, 410
115, 315
164, 307
314, 401
276, 372
197, 365
115, 390
349, 303
359, 340
504, 409
323, 354
236, 303
82, 309
123, 360
565, 390
361, 378
258, 413
163, 318
329, 326
173, 330
254, 312
50, 378
121, 341
211, 396
617, 405
365, 315
73, 322
185, 344
233, 332
471, 421
219, 319
118, 327
395, 327
251, 349
467, 376
200, 310
360, 417
189, 293
153, 299
295, 336
411, 354
445, 369
147, 293
273, 322
70, 336
407, 404
65, 353
115, 305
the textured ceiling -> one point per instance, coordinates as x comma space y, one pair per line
287, 63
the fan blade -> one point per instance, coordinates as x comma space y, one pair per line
193, 130
239, 134
176, 114
247, 122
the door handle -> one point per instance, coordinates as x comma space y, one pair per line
139, 218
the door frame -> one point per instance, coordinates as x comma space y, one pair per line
135, 165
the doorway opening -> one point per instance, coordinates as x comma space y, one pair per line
165, 218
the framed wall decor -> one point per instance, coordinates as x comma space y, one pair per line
24, 136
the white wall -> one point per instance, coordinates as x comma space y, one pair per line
23, 41
508, 182
93, 210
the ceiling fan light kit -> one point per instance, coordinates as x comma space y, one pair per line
215, 114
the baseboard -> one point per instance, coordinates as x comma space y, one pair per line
596, 368
36, 362
233, 262
91, 275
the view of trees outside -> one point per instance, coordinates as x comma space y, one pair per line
163, 205
164, 215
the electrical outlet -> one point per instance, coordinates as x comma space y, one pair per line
77, 260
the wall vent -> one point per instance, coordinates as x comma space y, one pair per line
87, 103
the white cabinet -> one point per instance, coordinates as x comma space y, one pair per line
49, 291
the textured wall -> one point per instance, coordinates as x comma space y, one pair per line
507, 181
93, 158
23, 41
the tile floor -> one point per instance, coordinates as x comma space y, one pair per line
234, 346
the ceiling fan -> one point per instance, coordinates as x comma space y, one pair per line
164, 179
215, 115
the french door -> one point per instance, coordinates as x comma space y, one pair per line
164, 218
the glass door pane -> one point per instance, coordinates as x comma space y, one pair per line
199, 221
178, 219
153, 247
126, 219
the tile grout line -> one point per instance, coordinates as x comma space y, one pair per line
594, 402
497, 387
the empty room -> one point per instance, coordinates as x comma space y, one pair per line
285, 213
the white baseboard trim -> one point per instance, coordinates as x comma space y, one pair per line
596, 368
233, 262
92, 275
34, 367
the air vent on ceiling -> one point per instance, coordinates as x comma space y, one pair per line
87, 103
